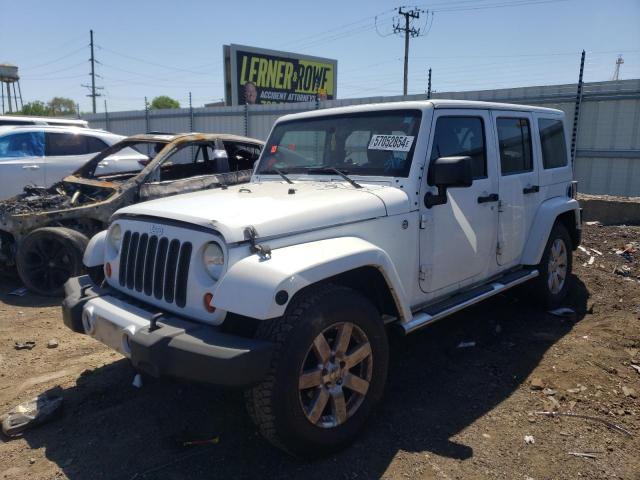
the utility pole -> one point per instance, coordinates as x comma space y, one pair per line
429, 86
93, 87
408, 31
616, 72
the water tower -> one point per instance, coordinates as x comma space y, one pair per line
9, 77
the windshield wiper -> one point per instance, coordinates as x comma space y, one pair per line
336, 171
279, 172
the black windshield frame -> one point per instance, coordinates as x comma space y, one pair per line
332, 133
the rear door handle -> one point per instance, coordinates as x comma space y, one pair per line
493, 197
31, 167
531, 189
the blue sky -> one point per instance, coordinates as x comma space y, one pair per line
166, 47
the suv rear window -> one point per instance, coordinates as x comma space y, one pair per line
514, 137
554, 148
60, 144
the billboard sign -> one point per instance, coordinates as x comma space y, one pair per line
259, 76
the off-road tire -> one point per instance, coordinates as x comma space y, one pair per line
274, 404
62, 246
543, 293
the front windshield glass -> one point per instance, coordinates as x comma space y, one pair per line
124, 156
366, 143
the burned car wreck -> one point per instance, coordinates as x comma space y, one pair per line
44, 231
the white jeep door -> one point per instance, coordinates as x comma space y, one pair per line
458, 238
519, 186
21, 162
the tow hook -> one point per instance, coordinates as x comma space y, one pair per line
153, 323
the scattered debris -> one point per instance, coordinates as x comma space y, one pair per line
28, 345
594, 223
635, 367
529, 440
466, 344
53, 343
591, 260
582, 249
536, 383
549, 391
622, 270
137, 381
32, 461
564, 312
210, 441
31, 413
596, 251
629, 392
579, 454
19, 292
612, 426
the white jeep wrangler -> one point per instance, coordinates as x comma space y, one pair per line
356, 220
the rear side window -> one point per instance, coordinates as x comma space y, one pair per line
61, 144
514, 137
95, 145
554, 148
461, 137
26, 144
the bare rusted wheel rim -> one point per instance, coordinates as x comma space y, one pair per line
335, 375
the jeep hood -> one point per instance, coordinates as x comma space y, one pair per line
272, 210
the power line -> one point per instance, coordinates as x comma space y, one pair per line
93, 87
409, 31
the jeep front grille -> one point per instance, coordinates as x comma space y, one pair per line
156, 266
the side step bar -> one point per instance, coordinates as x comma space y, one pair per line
437, 311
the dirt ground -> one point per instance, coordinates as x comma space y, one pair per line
449, 412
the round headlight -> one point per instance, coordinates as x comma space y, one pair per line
213, 259
115, 237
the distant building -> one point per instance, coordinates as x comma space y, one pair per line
215, 104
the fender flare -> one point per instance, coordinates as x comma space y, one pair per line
249, 287
542, 224
94, 253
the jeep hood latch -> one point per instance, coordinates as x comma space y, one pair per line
250, 233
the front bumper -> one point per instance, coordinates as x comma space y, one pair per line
178, 348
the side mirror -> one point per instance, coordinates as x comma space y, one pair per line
447, 172
450, 172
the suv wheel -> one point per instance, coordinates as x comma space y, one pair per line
48, 256
555, 268
327, 373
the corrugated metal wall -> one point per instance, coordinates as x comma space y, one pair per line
608, 150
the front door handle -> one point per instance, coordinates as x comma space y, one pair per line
531, 189
30, 167
493, 197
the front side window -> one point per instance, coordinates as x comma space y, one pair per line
514, 137
554, 148
368, 143
64, 144
461, 137
95, 145
27, 144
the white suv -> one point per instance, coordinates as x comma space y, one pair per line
356, 220
42, 155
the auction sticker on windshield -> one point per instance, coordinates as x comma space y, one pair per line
398, 143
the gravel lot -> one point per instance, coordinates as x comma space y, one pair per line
448, 413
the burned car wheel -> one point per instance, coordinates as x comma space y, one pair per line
48, 256
327, 372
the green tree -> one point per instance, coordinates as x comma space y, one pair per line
35, 108
62, 107
164, 101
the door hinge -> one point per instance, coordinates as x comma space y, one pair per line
498, 249
424, 272
424, 221
500, 206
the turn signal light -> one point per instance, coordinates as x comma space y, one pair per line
107, 269
208, 297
